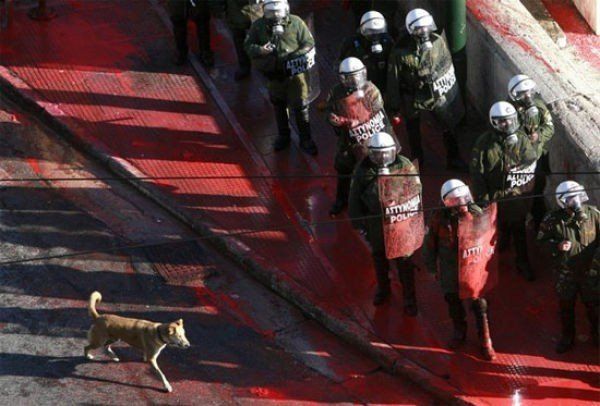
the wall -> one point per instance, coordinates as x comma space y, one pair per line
504, 40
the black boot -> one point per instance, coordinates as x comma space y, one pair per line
567, 320
382, 269
341, 195
480, 310
457, 314
406, 274
453, 159
283, 127
303, 122
592, 314
413, 128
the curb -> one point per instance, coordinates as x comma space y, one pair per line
49, 115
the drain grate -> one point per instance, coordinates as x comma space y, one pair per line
180, 262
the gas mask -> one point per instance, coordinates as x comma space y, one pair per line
276, 14
508, 126
423, 37
575, 203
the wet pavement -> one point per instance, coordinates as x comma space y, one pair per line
248, 345
121, 94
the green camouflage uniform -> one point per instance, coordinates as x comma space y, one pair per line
576, 270
410, 89
543, 125
364, 201
295, 41
440, 252
376, 64
491, 161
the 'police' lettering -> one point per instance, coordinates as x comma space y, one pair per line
366, 130
301, 63
442, 85
404, 211
520, 176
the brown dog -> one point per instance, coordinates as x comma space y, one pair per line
148, 336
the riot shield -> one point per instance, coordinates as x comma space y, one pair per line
521, 178
370, 120
449, 108
403, 221
303, 74
477, 262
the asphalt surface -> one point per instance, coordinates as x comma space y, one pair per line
248, 345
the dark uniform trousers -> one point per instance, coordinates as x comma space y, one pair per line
406, 274
301, 115
413, 129
239, 36
180, 11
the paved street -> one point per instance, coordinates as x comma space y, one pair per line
248, 345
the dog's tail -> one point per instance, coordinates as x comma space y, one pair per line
95, 298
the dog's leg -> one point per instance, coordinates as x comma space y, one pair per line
166, 383
110, 352
95, 342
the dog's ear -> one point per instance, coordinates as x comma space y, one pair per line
172, 330
180, 322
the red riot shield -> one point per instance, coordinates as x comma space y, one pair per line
403, 222
477, 262
369, 118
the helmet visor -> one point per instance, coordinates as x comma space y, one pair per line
575, 200
461, 196
382, 157
354, 80
276, 14
506, 124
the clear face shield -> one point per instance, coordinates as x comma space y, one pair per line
382, 157
422, 34
374, 36
525, 97
356, 80
459, 199
276, 17
507, 126
575, 203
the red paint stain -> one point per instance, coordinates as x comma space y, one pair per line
482, 12
578, 32
34, 164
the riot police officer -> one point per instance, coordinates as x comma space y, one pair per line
536, 121
240, 16
199, 11
444, 246
502, 166
372, 45
572, 235
386, 7
421, 78
366, 200
283, 49
355, 110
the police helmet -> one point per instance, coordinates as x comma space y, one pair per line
455, 193
419, 22
504, 117
352, 73
571, 194
276, 10
382, 149
372, 24
521, 87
